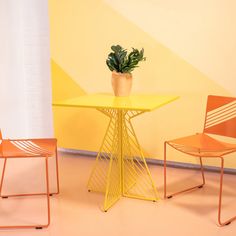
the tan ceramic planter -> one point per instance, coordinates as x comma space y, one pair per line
121, 84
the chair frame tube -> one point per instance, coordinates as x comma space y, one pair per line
48, 194
220, 222
185, 190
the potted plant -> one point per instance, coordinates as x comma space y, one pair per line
122, 64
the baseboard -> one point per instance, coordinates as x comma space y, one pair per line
153, 161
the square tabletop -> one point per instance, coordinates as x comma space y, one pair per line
133, 102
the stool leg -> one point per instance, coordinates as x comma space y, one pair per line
38, 226
202, 170
165, 170
48, 197
57, 173
3, 173
48, 192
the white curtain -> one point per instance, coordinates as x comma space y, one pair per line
25, 85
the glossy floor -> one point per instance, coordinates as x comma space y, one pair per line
77, 212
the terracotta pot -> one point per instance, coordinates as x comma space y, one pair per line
121, 83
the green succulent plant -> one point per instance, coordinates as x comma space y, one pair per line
120, 61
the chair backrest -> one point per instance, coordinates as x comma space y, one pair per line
220, 116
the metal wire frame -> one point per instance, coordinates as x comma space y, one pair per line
30, 194
221, 223
139, 183
185, 190
47, 193
120, 168
220, 110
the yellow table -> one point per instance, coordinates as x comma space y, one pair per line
120, 168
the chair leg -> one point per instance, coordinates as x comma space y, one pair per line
48, 206
3, 173
48, 193
57, 173
185, 190
31, 194
227, 222
202, 171
165, 170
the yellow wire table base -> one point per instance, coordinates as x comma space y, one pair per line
120, 168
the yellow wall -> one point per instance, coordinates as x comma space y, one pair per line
81, 35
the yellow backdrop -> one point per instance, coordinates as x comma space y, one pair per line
82, 33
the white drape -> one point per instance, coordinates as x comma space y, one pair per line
25, 86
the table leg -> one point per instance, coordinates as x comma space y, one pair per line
138, 182
120, 168
106, 174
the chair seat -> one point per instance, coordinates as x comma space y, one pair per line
28, 147
202, 145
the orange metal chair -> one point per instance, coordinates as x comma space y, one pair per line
29, 148
220, 120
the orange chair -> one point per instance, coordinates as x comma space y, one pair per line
220, 120
29, 148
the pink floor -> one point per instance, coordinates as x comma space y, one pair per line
76, 212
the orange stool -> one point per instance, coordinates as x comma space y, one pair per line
29, 148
